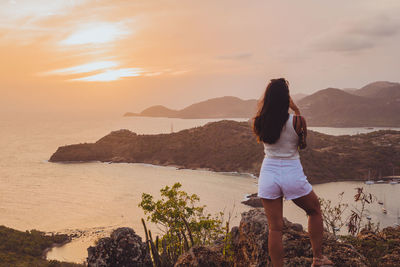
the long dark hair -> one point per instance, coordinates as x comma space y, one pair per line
273, 111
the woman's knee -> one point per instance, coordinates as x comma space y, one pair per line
314, 210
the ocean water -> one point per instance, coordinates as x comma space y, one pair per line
91, 199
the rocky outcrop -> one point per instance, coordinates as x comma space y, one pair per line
250, 242
253, 201
381, 248
230, 146
203, 256
123, 248
249, 247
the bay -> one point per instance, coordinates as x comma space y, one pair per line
91, 199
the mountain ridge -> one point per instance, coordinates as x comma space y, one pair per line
376, 104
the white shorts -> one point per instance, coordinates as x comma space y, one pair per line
282, 177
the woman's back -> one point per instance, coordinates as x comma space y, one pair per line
286, 146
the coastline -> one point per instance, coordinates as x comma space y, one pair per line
55, 245
177, 167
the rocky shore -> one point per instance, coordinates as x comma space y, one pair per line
230, 146
249, 247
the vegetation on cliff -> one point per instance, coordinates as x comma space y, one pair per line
248, 242
26, 249
183, 223
230, 146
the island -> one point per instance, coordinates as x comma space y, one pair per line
231, 146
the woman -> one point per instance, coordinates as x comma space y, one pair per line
281, 172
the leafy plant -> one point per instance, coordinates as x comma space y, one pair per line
183, 224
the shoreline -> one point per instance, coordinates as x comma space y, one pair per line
126, 115
177, 167
55, 245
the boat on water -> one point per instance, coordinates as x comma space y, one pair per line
369, 181
397, 224
384, 210
380, 202
380, 181
393, 182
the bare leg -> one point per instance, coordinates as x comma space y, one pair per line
311, 206
274, 211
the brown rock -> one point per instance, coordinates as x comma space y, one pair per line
203, 256
253, 201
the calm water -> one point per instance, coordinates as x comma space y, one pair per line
93, 198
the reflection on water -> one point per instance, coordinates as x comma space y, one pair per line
93, 198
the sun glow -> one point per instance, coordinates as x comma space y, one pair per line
111, 75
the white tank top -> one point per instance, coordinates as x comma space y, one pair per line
286, 146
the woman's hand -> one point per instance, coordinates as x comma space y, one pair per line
293, 106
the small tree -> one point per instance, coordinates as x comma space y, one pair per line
356, 219
333, 216
182, 222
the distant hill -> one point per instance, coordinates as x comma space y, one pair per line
298, 97
221, 107
230, 146
380, 89
376, 104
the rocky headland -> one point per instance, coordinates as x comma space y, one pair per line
249, 247
230, 146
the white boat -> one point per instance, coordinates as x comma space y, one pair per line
380, 181
384, 210
369, 182
393, 182
369, 218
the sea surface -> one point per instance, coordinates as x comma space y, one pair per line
91, 199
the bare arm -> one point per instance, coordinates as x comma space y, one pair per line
293, 106
297, 124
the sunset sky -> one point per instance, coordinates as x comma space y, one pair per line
117, 56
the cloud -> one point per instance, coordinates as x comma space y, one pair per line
240, 56
111, 75
89, 67
358, 35
38, 9
96, 33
